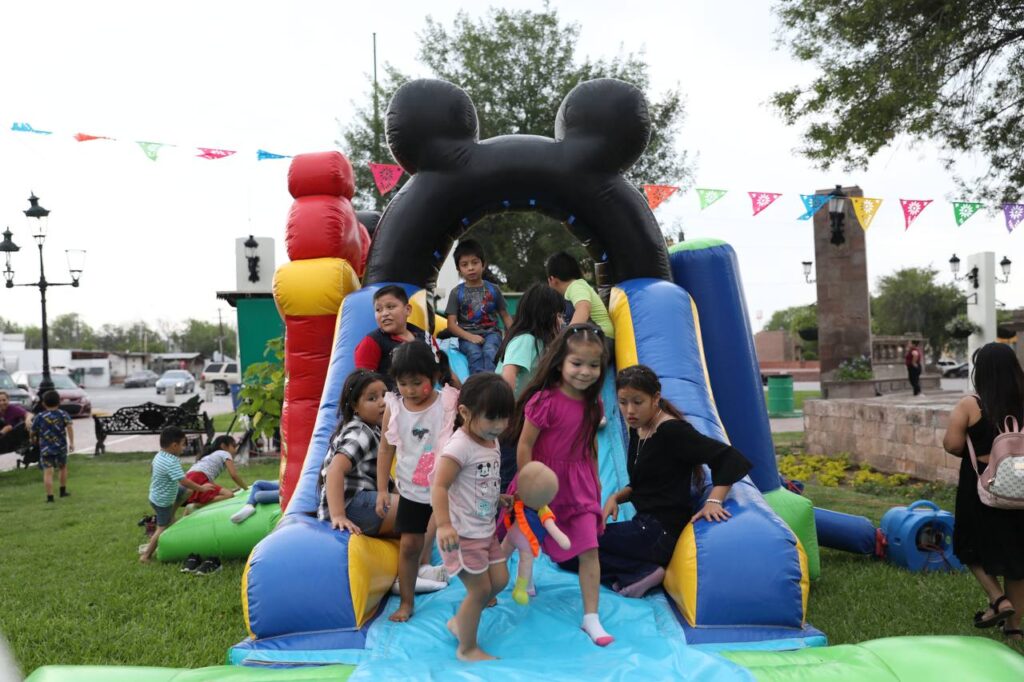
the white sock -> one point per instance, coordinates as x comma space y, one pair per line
242, 514
435, 573
592, 626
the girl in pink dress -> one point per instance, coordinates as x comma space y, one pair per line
557, 421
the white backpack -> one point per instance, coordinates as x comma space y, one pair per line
1002, 484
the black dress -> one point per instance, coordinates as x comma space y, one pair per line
984, 536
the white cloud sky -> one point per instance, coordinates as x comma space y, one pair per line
271, 75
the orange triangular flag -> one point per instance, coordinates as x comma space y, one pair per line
658, 193
82, 137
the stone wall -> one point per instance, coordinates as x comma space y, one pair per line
894, 434
773, 346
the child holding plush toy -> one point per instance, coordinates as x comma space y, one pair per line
465, 494
558, 417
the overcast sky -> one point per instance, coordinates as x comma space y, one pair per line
272, 75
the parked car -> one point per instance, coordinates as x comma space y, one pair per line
18, 396
73, 399
221, 375
181, 380
946, 365
141, 379
960, 371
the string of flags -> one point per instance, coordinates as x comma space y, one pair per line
151, 149
865, 208
387, 176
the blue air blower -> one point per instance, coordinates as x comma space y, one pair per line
920, 537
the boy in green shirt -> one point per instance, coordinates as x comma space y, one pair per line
565, 277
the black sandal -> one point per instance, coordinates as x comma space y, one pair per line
1013, 632
997, 616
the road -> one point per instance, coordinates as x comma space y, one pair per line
106, 401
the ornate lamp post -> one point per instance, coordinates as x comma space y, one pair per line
38, 217
837, 215
807, 271
251, 246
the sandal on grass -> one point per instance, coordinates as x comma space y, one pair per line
1013, 634
997, 616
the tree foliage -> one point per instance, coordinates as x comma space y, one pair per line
518, 66
910, 300
948, 71
792, 320
262, 393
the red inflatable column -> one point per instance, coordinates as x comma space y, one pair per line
327, 251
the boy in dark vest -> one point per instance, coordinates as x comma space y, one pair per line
474, 308
391, 309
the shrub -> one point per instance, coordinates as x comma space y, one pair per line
853, 369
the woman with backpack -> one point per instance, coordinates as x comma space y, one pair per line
989, 534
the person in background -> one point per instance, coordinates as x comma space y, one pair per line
915, 363
52, 430
989, 541
15, 422
565, 277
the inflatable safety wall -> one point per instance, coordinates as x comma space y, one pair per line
327, 248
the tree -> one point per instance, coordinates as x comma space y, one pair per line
909, 300
792, 320
951, 72
204, 337
8, 327
518, 66
70, 331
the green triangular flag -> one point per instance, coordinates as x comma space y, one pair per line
152, 149
962, 210
709, 196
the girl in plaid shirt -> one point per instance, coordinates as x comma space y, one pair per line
348, 479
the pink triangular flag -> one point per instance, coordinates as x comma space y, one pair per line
208, 153
762, 200
911, 209
83, 137
386, 175
658, 193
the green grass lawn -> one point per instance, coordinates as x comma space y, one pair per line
221, 422
799, 397
74, 592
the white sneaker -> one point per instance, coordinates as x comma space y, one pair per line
435, 573
423, 585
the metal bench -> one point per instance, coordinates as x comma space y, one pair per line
151, 418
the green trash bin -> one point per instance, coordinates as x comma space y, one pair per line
780, 395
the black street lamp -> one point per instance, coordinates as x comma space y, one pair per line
254, 261
1005, 266
837, 215
807, 271
38, 217
971, 276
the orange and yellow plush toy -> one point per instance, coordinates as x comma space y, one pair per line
529, 522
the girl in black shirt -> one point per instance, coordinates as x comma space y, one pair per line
665, 457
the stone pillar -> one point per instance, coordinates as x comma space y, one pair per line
844, 316
981, 302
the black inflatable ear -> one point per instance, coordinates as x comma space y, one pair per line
424, 119
369, 220
601, 128
613, 114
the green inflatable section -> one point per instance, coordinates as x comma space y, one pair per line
896, 659
798, 513
220, 673
209, 531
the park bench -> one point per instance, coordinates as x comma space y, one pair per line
151, 418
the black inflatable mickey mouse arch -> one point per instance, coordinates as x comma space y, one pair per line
601, 129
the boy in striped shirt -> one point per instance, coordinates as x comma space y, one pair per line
168, 486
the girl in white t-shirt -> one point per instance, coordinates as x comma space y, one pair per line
208, 467
413, 422
465, 494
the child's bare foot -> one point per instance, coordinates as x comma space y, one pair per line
144, 559
473, 655
401, 614
493, 602
452, 627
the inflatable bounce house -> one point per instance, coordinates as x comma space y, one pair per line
734, 605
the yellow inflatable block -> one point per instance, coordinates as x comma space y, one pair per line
313, 287
681, 575
372, 567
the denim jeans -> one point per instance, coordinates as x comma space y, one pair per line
481, 357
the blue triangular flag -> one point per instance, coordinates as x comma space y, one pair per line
262, 155
27, 128
812, 202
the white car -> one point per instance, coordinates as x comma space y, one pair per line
222, 375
